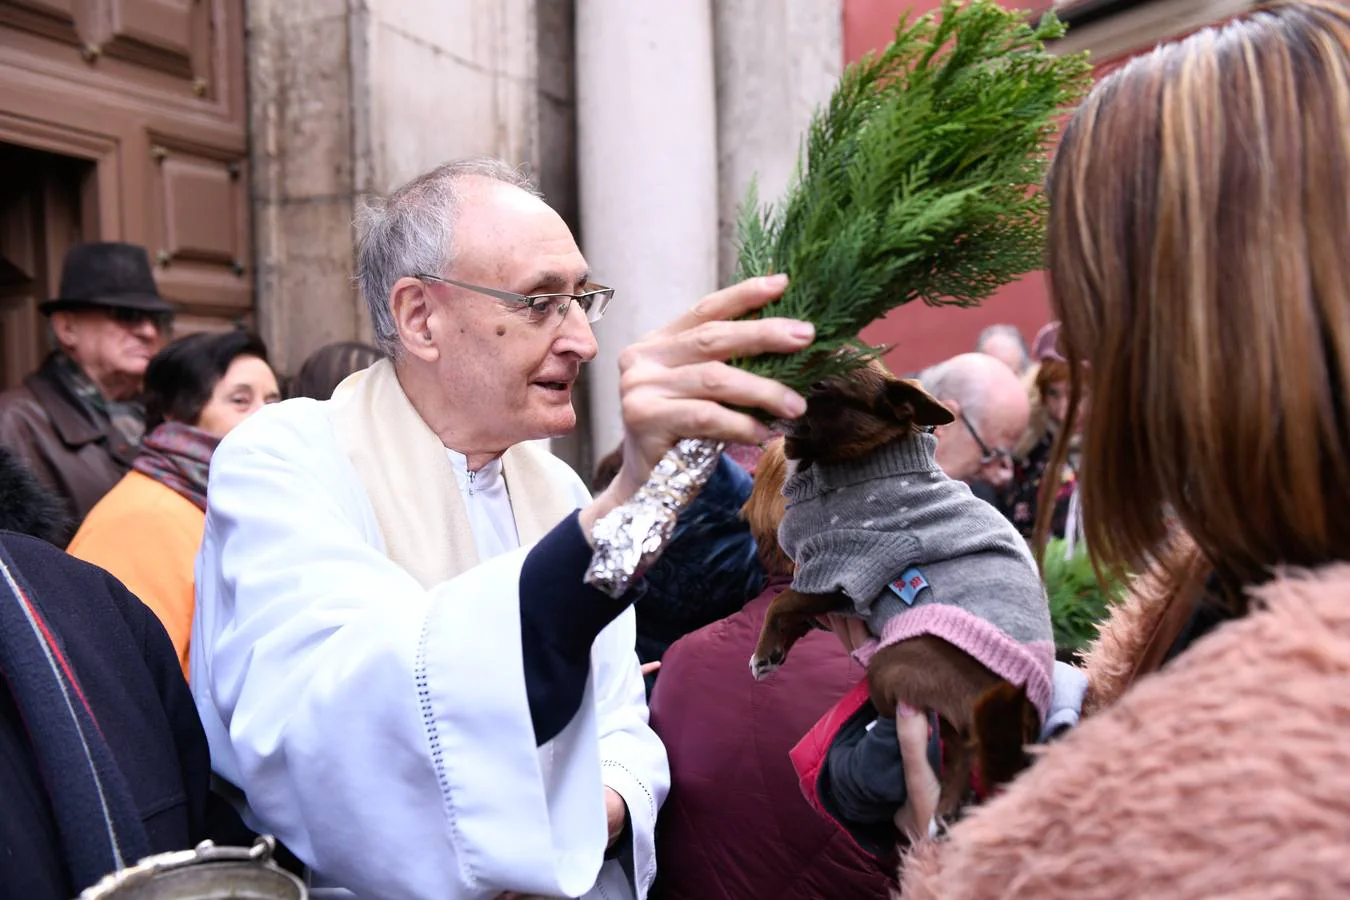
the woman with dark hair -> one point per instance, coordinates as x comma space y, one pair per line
147, 529
326, 367
1199, 258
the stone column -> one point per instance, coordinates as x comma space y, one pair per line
776, 62
647, 160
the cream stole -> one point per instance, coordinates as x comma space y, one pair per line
411, 482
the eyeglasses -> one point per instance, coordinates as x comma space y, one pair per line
593, 299
987, 454
124, 315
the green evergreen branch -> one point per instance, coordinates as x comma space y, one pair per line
920, 180
1079, 602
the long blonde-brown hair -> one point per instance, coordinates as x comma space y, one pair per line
1199, 256
765, 508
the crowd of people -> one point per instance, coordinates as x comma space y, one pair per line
357, 620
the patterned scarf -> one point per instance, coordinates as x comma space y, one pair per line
128, 416
179, 457
99, 825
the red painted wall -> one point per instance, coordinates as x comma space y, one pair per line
922, 335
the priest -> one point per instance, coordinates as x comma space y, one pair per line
400, 669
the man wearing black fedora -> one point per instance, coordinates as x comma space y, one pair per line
76, 421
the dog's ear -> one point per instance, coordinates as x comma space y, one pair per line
1004, 721
911, 401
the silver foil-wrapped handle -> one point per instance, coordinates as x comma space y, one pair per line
631, 537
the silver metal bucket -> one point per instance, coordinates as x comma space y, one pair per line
207, 872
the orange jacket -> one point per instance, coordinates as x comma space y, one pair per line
146, 535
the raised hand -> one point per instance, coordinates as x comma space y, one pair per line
675, 382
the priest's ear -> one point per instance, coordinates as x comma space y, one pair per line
416, 317
911, 401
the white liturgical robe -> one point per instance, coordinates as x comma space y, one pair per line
380, 726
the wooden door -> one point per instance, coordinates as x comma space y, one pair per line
148, 97
41, 216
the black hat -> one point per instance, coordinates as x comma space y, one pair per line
107, 274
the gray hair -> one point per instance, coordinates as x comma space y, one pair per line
412, 230
956, 379
1008, 331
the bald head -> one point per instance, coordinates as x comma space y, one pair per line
1004, 342
993, 401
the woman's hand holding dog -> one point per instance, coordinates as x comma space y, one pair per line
917, 818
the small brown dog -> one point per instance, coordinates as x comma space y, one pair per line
853, 428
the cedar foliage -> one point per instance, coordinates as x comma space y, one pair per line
920, 180
1079, 600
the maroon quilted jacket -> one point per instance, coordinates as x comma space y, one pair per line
735, 826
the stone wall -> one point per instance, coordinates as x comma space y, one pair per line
301, 85
643, 123
448, 79
357, 96
555, 165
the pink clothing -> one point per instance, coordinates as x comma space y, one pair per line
1030, 663
1222, 775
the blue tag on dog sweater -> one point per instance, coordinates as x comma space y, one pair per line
908, 585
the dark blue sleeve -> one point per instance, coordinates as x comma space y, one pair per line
560, 617
739, 482
867, 777
866, 782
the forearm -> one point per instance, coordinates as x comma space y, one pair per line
560, 618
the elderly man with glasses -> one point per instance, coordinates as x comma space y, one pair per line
991, 409
400, 668
76, 421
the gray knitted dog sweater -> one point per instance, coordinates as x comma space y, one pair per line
918, 553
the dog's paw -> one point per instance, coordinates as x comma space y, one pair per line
763, 666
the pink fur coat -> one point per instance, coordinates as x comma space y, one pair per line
1227, 774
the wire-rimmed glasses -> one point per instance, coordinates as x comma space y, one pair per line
593, 299
987, 454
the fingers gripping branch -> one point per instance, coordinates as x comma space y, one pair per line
675, 386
